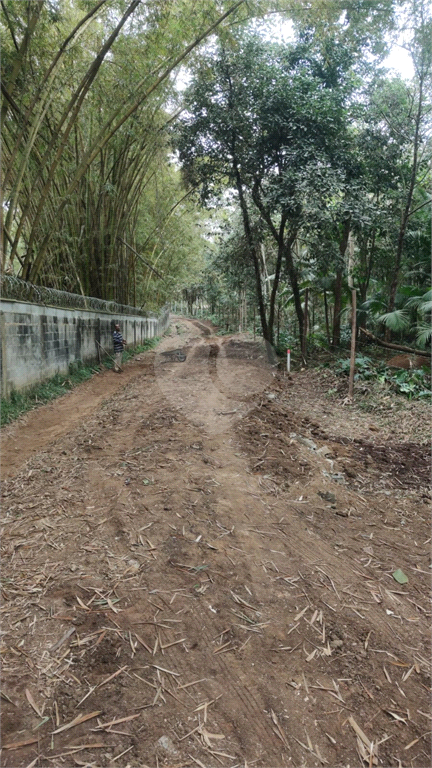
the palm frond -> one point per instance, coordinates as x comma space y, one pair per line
425, 307
398, 320
372, 305
422, 303
423, 334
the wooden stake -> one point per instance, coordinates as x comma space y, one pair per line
353, 342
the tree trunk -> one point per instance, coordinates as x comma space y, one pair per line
406, 210
305, 325
292, 274
326, 311
267, 334
353, 342
337, 309
338, 286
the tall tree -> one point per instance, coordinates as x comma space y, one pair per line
262, 119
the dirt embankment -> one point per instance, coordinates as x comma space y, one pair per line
198, 562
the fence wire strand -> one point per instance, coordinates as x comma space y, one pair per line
12, 287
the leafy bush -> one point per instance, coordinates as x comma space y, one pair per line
317, 340
345, 336
414, 383
286, 341
365, 369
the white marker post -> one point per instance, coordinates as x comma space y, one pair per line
288, 360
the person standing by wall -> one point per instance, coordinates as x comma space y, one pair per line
119, 343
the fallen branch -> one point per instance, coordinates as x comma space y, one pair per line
399, 347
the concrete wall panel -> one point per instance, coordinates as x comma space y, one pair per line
39, 341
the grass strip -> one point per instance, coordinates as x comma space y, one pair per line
20, 402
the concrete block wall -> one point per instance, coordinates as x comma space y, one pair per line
39, 341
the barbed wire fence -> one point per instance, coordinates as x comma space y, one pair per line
12, 287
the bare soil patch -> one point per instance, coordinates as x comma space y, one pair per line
198, 566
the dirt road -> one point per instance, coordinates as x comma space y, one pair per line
198, 563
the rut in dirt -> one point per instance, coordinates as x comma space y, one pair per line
171, 560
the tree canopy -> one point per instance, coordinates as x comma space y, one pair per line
326, 153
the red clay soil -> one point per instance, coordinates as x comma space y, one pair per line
198, 566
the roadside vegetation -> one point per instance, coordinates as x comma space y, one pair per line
20, 402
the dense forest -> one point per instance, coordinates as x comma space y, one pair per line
255, 159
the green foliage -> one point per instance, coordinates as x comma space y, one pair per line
411, 314
414, 384
397, 320
364, 366
130, 352
20, 402
286, 341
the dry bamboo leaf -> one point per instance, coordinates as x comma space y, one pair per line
425, 714
359, 732
198, 762
396, 717
181, 738
32, 702
221, 754
77, 721
299, 615
6, 698
411, 744
79, 748
407, 674
240, 601
195, 682
292, 629
168, 671
140, 640
279, 730
83, 605
86, 696
122, 753
206, 735
387, 674
363, 752
19, 744
62, 640
225, 645
116, 722
246, 642
113, 608
168, 645
111, 677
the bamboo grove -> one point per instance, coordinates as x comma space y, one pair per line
88, 180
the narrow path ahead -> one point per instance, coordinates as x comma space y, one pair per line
204, 576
